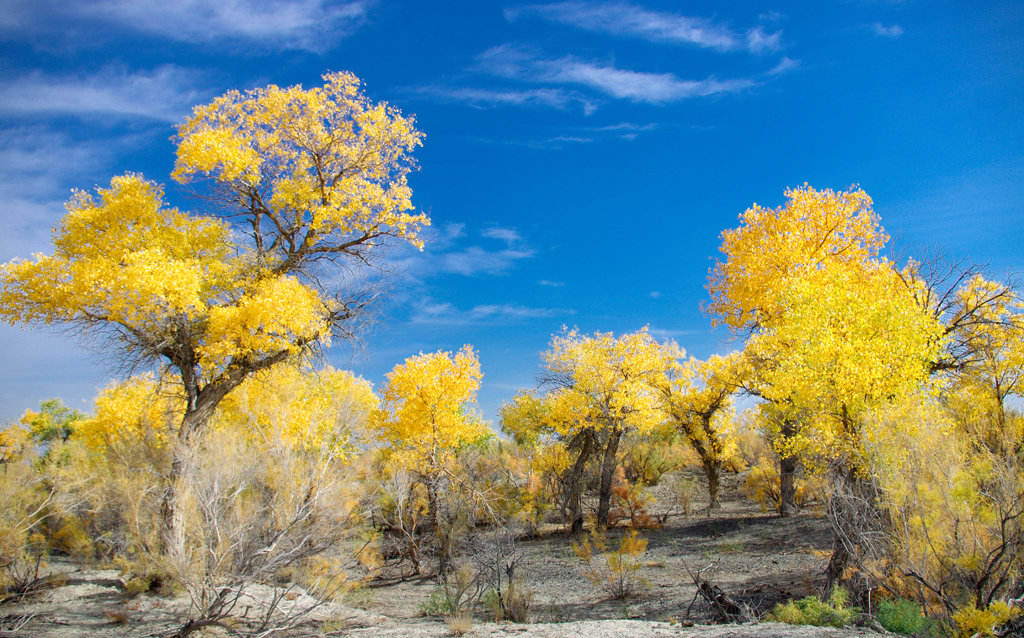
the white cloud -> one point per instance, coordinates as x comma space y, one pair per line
449, 250
38, 168
553, 284
446, 313
890, 31
475, 260
165, 94
313, 25
785, 65
524, 64
760, 42
508, 235
485, 98
622, 19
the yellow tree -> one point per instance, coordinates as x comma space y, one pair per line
427, 415
697, 398
833, 327
602, 388
299, 179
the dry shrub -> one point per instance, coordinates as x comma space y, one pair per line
614, 570
25, 497
648, 459
955, 511
630, 503
251, 511
762, 486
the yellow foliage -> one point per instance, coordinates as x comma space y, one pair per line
325, 159
971, 621
773, 246
426, 412
615, 570
609, 380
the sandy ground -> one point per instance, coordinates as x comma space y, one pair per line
757, 559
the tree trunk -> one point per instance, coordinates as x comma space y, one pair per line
607, 474
574, 500
787, 486
713, 472
202, 403
443, 554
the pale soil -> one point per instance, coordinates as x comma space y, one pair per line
757, 559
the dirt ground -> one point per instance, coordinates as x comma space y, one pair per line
757, 558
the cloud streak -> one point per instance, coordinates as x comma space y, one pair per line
887, 31
312, 25
520, 63
431, 312
485, 98
626, 20
164, 94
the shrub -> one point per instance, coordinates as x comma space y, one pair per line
616, 571
814, 611
971, 621
902, 616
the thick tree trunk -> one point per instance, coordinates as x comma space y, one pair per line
787, 486
574, 499
202, 403
443, 553
608, 464
713, 472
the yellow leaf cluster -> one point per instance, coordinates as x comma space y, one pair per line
772, 246
324, 159
427, 408
606, 382
122, 257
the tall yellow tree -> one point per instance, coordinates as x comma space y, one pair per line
697, 398
298, 180
833, 326
427, 414
602, 388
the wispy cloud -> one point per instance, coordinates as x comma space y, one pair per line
451, 250
553, 284
278, 24
38, 167
487, 98
480, 260
887, 31
521, 63
622, 19
785, 65
446, 313
165, 93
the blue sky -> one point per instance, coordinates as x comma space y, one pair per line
580, 161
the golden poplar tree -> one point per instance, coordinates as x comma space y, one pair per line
302, 185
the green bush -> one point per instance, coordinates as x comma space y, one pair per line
814, 611
438, 604
902, 616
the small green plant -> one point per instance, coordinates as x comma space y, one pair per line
902, 616
814, 611
437, 604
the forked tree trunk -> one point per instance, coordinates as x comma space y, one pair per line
608, 464
574, 499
